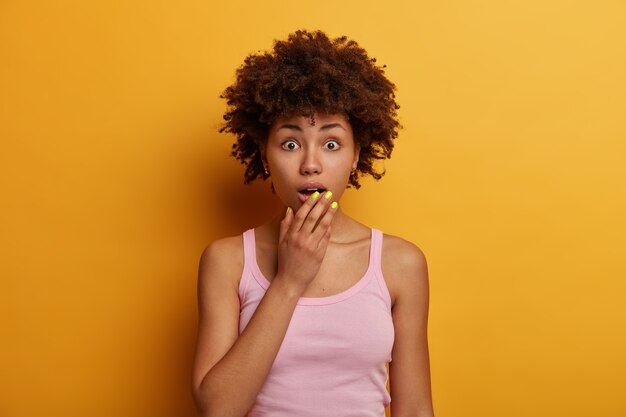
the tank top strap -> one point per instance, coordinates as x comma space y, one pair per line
249, 248
376, 255
249, 257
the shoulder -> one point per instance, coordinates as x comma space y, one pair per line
404, 268
402, 251
221, 262
224, 249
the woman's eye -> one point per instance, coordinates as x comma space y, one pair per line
290, 145
331, 145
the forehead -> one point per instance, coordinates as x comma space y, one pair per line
318, 121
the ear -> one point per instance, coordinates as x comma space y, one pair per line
357, 154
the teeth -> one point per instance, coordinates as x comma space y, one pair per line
311, 190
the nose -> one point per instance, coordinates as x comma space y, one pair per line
311, 163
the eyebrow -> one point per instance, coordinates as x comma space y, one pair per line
322, 128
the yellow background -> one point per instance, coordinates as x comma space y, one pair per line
509, 174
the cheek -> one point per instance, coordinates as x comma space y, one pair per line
280, 165
343, 165
280, 175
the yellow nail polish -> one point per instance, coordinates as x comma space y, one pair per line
328, 195
315, 195
288, 210
334, 204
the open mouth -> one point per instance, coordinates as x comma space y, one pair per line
309, 191
305, 193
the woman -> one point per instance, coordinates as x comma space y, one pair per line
301, 315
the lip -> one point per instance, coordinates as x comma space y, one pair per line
304, 197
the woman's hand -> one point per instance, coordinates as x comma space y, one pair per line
303, 240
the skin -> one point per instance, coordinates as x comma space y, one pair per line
302, 253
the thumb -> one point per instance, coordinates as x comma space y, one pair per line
285, 223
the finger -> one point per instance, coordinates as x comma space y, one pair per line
304, 210
324, 239
317, 212
325, 221
285, 223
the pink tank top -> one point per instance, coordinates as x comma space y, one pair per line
332, 362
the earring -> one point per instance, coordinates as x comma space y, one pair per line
266, 171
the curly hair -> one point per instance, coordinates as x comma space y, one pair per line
309, 73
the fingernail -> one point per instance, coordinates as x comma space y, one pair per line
334, 204
328, 195
288, 210
315, 195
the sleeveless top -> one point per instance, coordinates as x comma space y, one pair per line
332, 361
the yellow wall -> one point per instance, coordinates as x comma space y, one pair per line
509, 174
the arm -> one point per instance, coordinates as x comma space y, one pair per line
229, 369
409, 372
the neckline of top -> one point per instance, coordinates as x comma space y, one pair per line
313, 301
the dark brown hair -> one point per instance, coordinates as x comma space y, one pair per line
308, 73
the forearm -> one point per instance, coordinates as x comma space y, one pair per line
230, 387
